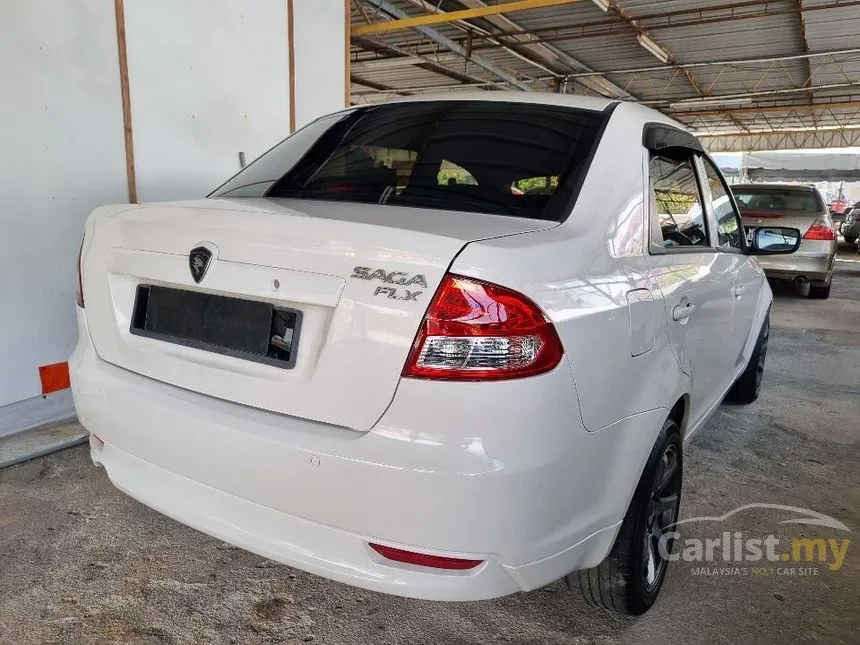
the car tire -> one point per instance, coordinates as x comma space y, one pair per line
748, 385
819, 292
624, 582
850, 239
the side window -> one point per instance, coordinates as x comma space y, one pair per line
675, 192
535, 185
729, 229
451, 174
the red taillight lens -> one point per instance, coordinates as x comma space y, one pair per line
79, 292
423, 559
820, 231
478, 331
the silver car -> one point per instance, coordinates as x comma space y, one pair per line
801, 207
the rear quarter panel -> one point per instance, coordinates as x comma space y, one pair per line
581, 273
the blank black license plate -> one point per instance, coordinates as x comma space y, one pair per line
246, 329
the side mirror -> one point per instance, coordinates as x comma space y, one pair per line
774, 240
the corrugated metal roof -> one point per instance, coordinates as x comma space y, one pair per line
549, 48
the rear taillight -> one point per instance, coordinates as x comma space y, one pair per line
424, 559
479, 331
79, 291
820, 230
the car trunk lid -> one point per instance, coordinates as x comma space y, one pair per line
359, 275
802, 221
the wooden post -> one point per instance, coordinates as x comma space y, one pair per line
291, 53
119, 10
347, 20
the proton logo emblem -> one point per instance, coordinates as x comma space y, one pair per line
198, 261
758, 221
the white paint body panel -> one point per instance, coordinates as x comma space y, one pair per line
533, 476
351, 342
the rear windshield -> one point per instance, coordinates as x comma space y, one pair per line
782, 200
500, 158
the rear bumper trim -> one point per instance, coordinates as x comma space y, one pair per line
323, 550
812, 267
311, 547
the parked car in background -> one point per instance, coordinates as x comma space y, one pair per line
406, 383
838, 207
851, 226
801, 207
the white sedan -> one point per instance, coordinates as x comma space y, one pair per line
444, 348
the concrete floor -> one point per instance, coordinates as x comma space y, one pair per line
82, 563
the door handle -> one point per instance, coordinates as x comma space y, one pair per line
682, 313
739, 291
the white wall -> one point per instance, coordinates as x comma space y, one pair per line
320, 58
208, 78
61, 137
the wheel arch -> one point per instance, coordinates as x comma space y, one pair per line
679, 413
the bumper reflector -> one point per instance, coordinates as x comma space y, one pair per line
423, 559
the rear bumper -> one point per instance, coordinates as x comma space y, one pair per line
459, 477
816, 267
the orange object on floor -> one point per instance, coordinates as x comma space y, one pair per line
54, 377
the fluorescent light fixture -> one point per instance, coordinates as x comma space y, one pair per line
714, 102
653, 47
602, 4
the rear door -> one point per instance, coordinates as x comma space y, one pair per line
695, 280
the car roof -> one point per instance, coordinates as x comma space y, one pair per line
537, 98
632, 110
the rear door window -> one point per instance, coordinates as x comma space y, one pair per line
519, 159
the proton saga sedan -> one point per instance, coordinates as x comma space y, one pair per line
449, 348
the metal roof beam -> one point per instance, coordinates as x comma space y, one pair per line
673, 20
714, 98
722, 63
622, 13
691, 78
553, 55
379, 87
807, 107
425, 62
782, 140
435, 88
447, 43
472, 30
801, 20
408, 22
